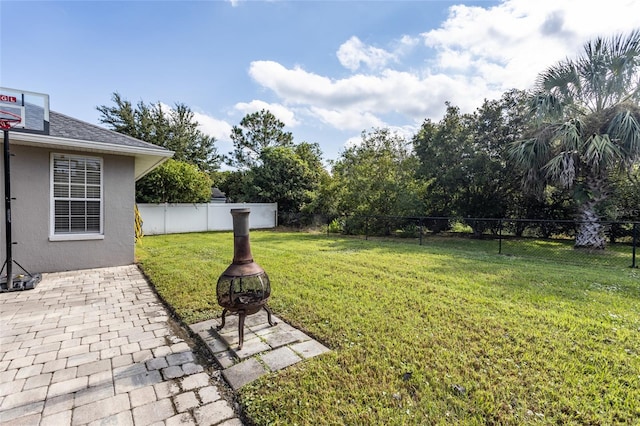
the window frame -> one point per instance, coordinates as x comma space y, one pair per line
71, 236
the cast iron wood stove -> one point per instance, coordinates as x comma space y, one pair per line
244, 287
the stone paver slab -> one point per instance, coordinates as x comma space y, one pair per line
280, 358
97, 393
154, 412
12, 387
24, 398
142, 396
245, 372
94, 367
58, 419
100, 409
29, 420
58, 404
309, 349
38, 381
129, 383
186, 401
250, 347
68, 386
180, 358
276, 340
213, 413
18, 414
183, 419
124, 418
209, 394
196, 381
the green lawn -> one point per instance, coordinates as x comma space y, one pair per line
432, 334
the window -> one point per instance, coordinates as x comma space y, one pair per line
76, 196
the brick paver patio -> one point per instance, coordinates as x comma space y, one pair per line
97, 347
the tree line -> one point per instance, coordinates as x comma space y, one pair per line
567, 149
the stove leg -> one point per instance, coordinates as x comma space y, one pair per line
269, 313
224, 314
242, 316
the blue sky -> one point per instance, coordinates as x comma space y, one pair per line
327, 69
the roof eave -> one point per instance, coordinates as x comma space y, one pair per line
146, 159
142, 168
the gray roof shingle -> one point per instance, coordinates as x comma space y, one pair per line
63, 126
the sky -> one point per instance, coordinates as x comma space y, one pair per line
329, 70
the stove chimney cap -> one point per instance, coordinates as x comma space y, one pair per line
240, 222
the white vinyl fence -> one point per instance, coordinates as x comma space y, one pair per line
177, 218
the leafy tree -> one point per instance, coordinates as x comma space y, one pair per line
231, 182
623, 205
624, 202
488, 185
174, 182
256, 132
377, 177
441, 148
292, 176
464, 160
175, 129
320, 203
483, 188
282, 178
587, 127
311, 154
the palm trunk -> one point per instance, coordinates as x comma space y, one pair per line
590, 231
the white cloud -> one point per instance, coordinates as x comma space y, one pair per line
219, 129
480, 52
354, 52
281, 112
363, 99
509, 44
405, 132
347, 119
211, 126
353, 141
207, 124
406, 43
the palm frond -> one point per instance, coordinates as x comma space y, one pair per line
562, 168
545, 107
610, 68
601, 153
561, 80
624, 130
530, 153
569, 134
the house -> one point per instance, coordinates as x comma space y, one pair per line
217, 196
73, 185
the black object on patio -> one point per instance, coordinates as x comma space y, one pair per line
11, 281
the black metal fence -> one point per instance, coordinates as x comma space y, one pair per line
553, 240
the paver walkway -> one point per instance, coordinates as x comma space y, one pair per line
97, 347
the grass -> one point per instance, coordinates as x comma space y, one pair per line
555, 250
433, 334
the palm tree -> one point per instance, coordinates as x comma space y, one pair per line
585, 118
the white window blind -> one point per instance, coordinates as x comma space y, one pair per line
77, 194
